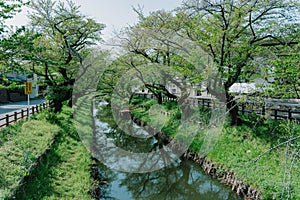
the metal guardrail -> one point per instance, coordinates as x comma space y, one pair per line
12, 118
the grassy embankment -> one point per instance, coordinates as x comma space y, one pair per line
49, 143
237, 149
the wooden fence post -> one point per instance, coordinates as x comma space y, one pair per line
289, 114
32, 108
263, 110
22, 113
275, 114
37, 108
16, 116
7, 120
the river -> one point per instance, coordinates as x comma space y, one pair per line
179, 181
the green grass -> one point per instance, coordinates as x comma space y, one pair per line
238, 148
21, 146
60, 162
10, 131
235, 149
64, 172
168, 124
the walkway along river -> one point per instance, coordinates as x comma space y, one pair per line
180, 180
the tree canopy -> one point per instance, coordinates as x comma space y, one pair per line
66, 35
8, 38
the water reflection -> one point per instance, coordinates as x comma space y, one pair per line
124, 152
181, 180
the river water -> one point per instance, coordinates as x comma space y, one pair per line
179, 181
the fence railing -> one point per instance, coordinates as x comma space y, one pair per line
284, 112
274, 113
290, 112
23, 113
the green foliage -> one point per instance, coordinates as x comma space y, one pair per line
64, 39
170, 105
110, 77
8, 10
17, 47
12, 85
141, 106
235, 32
159, 55
171, 127
236, 40
9, 41
143, 110
147, 104
286, 73
135, 100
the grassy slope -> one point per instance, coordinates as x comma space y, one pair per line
64, 173
21, 146
238, 147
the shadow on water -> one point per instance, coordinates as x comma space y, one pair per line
181, 180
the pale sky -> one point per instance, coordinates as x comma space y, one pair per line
115, 14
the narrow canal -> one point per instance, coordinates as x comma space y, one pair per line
179, 181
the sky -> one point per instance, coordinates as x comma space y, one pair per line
115, 14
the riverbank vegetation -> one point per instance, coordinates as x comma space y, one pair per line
49, 158
256, 152
22, 144
263, 155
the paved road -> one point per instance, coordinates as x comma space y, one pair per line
9, 108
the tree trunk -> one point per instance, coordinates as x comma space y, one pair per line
57, 105
159, 98
233, 110
59, 95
